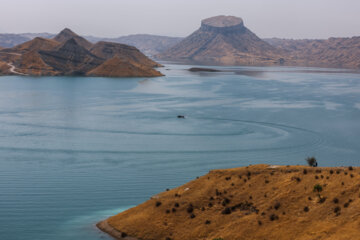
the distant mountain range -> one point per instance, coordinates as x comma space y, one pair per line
69, 54
332, 52
225, 40
148, 44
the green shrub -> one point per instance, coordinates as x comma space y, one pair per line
311, 161
318, 188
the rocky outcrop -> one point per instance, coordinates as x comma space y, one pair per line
70, 54
224, 40
67, 34
71, 58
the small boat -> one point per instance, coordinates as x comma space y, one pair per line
180, 116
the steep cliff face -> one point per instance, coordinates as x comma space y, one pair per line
224, 40
70, 54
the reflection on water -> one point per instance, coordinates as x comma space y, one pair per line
73, 148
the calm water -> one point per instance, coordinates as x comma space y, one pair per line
75, 150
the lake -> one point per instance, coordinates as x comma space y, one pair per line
75, 150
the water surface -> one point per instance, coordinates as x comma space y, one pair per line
76, 150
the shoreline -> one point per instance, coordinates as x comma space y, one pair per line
105, 227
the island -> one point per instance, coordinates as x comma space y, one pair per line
253, 202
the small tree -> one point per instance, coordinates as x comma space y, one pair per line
318, 188
311, 161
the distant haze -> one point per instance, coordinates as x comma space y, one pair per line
112, 18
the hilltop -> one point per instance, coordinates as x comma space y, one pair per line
255, 202
70, 54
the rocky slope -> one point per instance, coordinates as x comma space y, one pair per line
224, 40
333, 52
255, 202
67, 34
148, 44
69, 54
108, 50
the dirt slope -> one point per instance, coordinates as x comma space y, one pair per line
255, 202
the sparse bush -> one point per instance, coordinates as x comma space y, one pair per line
318, 188
335, 200
226, 211
306, 209
311, 161
304, 171
207, 222
322, 200
123, 235
346, 204
331, 171
277, 206
190, 209
176, 204
337, 209
158, 203
309, 198
260, 223
192, 215
351, 168
167, 211
273, 217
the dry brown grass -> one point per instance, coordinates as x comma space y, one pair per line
283, 208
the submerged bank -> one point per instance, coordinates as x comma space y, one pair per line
255, 202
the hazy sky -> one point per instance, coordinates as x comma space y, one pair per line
111, 18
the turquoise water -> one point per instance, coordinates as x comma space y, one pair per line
76, 150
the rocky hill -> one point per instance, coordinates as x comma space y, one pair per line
67, 34
252, 203
333, 52
69, 54
224, 40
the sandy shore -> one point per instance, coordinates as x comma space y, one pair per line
107, 228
